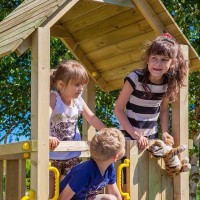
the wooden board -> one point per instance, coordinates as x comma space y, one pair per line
88, 19
113, 23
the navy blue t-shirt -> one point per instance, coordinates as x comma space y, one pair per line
86, 180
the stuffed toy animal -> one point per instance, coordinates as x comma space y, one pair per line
173, 165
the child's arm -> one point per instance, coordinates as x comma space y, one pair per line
113, 189
66, 194
92, 118
122, 117
164, 119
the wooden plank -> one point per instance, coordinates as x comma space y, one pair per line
180, 134
126, 3
119, 60
1, 179
150, 16
9, 48
81, 8
32, 22
143, 174
89, 98
72, 146
60, 32
12, 172
88, 19
118, 48
167, 184
155, 178
132, 171
119, 72
21, 178
26, 10
79, 55
23, 47
40, 71
59, 13
156, 6
195, 64
9, 35
124, 33
48, 6
23, 4
111, 24
22, 35
16, 148
116, 84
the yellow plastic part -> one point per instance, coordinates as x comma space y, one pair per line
26, 155
119, 178
94, 74
57, 177
26, 146
31, 196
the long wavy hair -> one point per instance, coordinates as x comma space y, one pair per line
175, 77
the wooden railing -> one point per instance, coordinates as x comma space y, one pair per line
146, 177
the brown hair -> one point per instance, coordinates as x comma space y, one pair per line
106, 144
68, 70
176, 74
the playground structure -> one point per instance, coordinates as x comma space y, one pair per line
106, 36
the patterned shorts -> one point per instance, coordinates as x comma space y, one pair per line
64, 166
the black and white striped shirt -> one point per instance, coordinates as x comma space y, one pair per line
142, 111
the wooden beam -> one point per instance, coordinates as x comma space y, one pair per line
82, 146
17, 148
23, 47
150, 16
59, 13
89, 98
126, 3
180, 133
40, 81
59, 31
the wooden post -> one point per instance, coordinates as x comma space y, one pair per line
40, 74
180, 134
89, 98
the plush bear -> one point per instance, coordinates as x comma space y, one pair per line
173, 165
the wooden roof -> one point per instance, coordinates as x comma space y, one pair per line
106, 36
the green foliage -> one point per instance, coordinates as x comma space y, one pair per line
187, 16
28, 173
15, 95
105, 105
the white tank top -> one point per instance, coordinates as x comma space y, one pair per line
63, 125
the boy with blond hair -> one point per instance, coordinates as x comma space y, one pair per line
87, 179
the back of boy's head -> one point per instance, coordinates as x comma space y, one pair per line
68, 70
106, 144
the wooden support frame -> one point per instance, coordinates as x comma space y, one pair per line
150, 16
180, 132
40, 81
89, 98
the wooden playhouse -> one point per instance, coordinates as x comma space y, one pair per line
107, 37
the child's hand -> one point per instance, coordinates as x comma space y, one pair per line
142, 142
53, 142
166, 137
